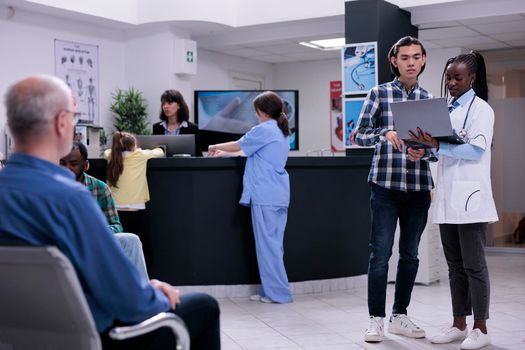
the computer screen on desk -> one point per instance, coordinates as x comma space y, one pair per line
174, 144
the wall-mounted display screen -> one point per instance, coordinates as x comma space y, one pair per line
226, 115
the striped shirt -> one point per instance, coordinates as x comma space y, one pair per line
390, 168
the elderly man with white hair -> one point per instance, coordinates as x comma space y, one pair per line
42, 204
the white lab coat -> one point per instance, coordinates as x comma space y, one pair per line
463, 190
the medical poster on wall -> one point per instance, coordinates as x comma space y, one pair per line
77, 65
336, 116
359, 68
352, 110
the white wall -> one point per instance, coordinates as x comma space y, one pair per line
436, 59
149, 60
312, 79
27, 46
214, 70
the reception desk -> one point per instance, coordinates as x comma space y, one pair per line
198, 234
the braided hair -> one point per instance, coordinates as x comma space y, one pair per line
475, 65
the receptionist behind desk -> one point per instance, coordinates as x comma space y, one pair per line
174, 115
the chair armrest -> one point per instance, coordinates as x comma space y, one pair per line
163, 319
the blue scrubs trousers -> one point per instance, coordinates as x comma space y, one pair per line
269, 223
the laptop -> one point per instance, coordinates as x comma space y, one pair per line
430, 115
174, 145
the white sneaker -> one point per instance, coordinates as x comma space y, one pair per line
475, 340
257, 297
448, 335
375, 332
402, 325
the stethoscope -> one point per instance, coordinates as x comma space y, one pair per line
463, 132
368, 63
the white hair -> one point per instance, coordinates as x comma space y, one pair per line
32, 103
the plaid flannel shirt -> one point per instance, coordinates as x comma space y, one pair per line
105, 201
391, 168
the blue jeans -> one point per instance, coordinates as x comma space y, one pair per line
132, 247
387, 206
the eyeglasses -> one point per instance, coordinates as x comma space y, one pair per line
76, 116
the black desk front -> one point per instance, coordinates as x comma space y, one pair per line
198, 234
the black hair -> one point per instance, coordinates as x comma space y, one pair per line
183, 114
475, 65
81, 148
272, 104
394, 50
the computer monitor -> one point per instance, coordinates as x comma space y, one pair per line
175, 145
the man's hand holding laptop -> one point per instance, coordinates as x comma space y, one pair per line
413, 153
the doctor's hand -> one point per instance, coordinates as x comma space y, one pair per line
414, 154
423, 138
396, 142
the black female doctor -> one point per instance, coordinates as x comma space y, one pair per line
463, 202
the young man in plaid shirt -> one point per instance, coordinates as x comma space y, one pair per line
400, 184
77, 162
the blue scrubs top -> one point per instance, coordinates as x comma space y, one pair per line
265, 181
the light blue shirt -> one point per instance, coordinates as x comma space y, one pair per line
184, 124
265, 181
463, 100
463, 151
42, 204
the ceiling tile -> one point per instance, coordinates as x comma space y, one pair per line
316, 55
243, 52
268, 43
291, 47
434, 25
493, 19
502, 27
481, 46
509, 36
448, 32
461, 42
516, 43
274, 59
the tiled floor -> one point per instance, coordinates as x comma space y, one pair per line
336, 321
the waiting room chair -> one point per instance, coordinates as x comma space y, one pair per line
42, 305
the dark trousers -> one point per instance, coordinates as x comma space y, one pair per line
387, 207
199, 311
464, 247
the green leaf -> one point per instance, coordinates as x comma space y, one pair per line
129, 109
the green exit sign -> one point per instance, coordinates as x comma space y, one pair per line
189, 56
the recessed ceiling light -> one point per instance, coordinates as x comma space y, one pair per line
304, 43
326, 44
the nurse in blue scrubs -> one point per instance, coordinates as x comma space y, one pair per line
266, 190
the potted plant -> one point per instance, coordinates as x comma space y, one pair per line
129, 108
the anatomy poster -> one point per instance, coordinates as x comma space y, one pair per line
337, 128
77, 65
359, 68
